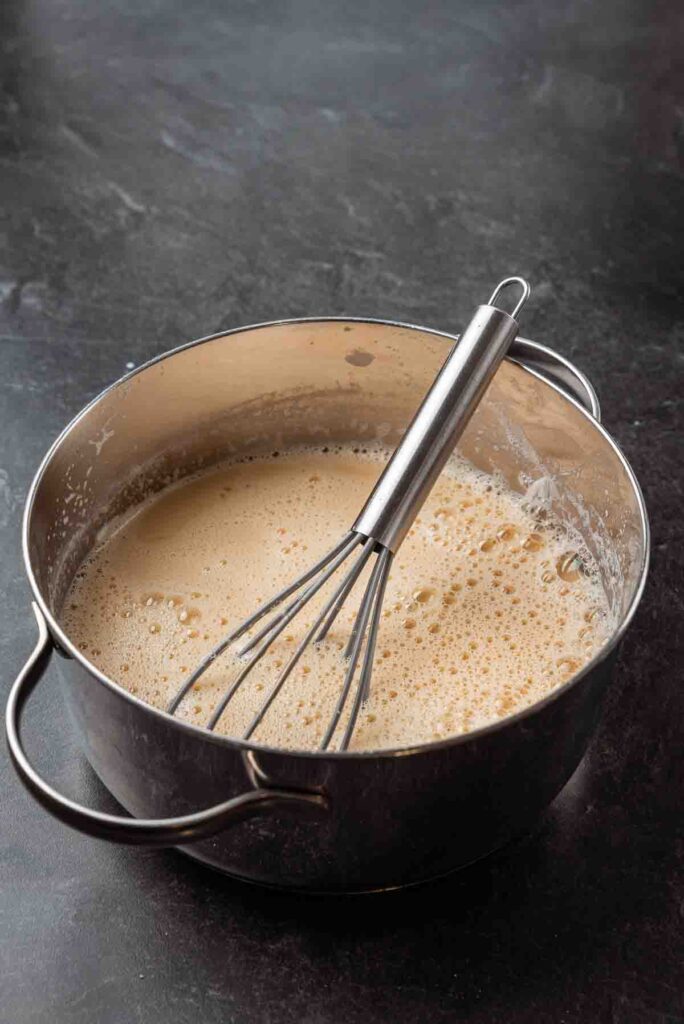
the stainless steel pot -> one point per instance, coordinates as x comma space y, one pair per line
333, 821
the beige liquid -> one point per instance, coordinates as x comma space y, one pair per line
487, 609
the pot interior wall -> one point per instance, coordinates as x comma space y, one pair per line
274, 386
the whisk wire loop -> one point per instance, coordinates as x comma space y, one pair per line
345, 545
275, 628
352, 574
370, 608
286, 616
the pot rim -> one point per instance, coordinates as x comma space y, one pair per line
72, 651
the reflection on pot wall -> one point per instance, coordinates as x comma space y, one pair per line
318, 381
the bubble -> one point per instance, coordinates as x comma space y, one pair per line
569, 567
506, 532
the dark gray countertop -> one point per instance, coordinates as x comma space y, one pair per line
172, 169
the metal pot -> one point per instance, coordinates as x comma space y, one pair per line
333, 821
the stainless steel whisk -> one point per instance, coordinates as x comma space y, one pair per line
381, 526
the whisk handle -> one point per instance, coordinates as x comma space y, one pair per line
442, 417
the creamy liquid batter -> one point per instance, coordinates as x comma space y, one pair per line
489, 607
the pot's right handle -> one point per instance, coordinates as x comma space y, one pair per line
560, 371
187, 828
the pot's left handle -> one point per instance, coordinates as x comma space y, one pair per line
187, 828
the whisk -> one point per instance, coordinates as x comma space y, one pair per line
380, 528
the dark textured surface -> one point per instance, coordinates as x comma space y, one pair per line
171, 169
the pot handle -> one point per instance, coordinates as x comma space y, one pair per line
558, 370
187, 828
